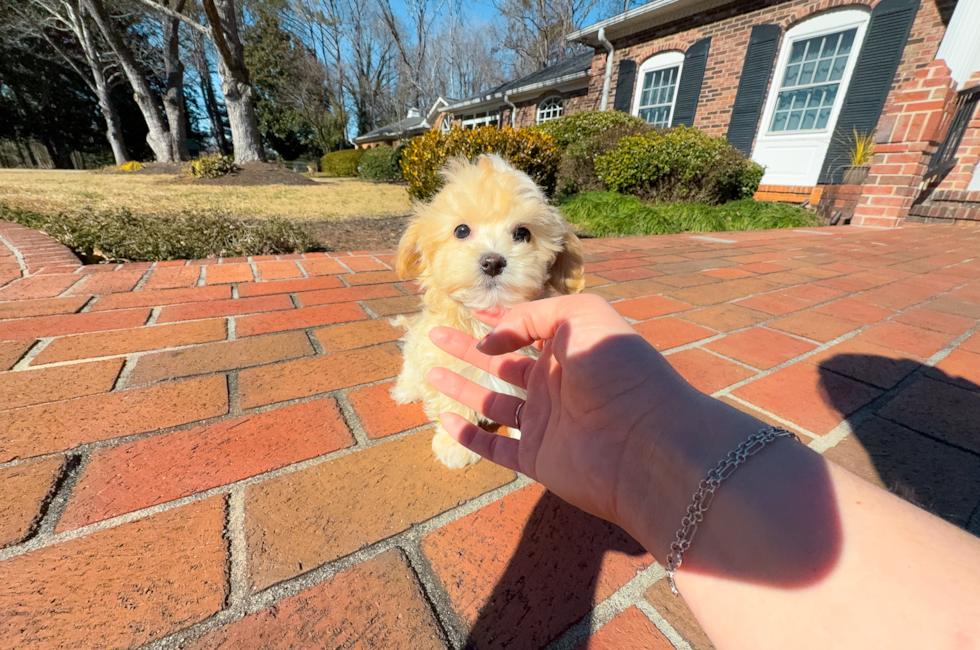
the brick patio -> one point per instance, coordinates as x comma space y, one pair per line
203, 454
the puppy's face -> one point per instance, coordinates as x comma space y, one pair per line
490, 239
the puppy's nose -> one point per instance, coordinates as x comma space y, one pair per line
493, 264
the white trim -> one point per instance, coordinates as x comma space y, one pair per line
550, 100
654, 63
795, 157
483, 118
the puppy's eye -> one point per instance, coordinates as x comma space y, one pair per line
462, 231
522, 234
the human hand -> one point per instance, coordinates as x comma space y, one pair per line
605, 413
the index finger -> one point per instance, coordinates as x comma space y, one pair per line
513, 368
540, 320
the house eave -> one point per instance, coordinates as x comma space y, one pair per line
640, 18
565, 82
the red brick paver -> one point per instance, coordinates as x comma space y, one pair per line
204, 454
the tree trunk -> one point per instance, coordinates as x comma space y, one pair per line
207, 91
173, 100
158, 136
235, 83
113, 124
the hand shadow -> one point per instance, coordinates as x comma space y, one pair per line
923, 444
553, 578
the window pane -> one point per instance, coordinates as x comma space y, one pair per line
823, 118
797, 54
823, 70
846, 41
837, 72
794, 121
792, 74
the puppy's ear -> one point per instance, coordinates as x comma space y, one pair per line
567, 275
408, 260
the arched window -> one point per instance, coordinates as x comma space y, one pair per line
447, 122
816, 59
659, 76
551, 108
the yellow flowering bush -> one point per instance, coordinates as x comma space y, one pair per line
532, 152
131, 166
214, 166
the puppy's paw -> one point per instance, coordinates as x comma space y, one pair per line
450, 453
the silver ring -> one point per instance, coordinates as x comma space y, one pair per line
517, 414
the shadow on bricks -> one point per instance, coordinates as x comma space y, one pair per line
552, 580
921, 441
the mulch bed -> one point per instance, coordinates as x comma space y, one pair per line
256, 173
370, 234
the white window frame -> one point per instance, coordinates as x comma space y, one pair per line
485, 118
447, 122
794, 157
547, 108
657, 62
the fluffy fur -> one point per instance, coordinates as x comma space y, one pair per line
493, 200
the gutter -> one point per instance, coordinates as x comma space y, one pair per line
513, 109
609, 62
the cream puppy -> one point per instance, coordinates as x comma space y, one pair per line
488, 240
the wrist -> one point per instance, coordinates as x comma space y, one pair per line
670, 458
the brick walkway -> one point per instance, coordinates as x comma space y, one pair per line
203, 455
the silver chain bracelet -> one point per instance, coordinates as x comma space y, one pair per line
706, 491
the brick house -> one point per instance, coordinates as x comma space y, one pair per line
789, 82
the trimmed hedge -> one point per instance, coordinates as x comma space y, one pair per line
569, 129
608, 214
528, 150
120, 235
681, 164
341, 164
380, 164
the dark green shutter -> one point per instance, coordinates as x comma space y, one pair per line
689, 89
624, 86
751, 96
891, 22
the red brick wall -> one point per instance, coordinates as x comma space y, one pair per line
907, 136
730, 27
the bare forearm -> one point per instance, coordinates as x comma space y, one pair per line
795, 552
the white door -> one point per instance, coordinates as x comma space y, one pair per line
814, 66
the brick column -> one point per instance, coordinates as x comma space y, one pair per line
907, 136
968, 153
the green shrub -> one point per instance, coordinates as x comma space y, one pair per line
119, 235
530, 151
576, 173
380, 164
341, 164
608, 214
681, 164
569, 129
214, 166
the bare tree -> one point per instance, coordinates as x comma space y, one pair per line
535, 30
412, 44
222, 29
158, 134
43, 19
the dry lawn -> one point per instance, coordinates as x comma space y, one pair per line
329, 199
